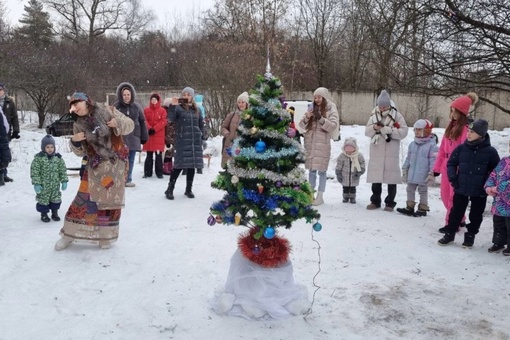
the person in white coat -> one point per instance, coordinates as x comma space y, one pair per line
386, 128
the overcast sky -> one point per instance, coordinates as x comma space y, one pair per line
163, 8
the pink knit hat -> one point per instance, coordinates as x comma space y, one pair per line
462, 104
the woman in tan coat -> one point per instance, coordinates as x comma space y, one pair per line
318, 124
229, 127
94, 214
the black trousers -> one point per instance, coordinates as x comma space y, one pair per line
460, 203
349, 190
390, 198
149, 162
501, 235
190, 175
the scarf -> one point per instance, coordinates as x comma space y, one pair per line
355, 166
387, 118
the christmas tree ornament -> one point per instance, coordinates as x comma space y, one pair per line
260, 187
238, 151
317, 226
237, 218
219, 219
260, 146
278, 184
253, 130
256, 249
211, 220
291, 133
234, 179
269, 232
229, 151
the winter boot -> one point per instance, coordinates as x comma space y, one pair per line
373, 206
447, 238
169, 193
496, 248
506, 252
188, 191
353, 198
319, 199
443, 229
346, 198
54, 215
409, 209
2, 182
469, 240
63, 243
422, 210
45, 218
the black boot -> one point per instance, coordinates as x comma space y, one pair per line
44, 217
409, 209
169, 193
54, 215
353, 198
447, 238
188, 191
469, 240
2, 182
345, 198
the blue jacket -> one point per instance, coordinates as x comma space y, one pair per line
421, 156
469, 166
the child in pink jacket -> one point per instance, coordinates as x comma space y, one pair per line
454, 135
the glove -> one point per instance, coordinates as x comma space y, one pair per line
37, 188
436, 174
15, 135
64, 186
151, 131
404, 175
431, 180
167, 146
143, 141
357, 174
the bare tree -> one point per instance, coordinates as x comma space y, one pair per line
136, 19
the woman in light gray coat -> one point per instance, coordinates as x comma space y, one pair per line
319, 123
386, 128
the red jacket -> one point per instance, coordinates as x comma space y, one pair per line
155, 118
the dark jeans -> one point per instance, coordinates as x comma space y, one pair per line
460, 203
390, 198
501, 235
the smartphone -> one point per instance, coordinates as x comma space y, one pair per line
182, 100
310, 106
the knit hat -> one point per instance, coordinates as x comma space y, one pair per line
384, 99
48, 139
79, 97
244, 97
189, 90
155, 95
167, 102
424, 124
480, 126
323, 92
462, 104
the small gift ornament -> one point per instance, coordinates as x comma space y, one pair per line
260, 187
237, 218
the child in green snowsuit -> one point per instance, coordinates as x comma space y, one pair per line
48, 171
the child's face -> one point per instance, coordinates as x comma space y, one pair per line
49, 149
419, 132
349, 149
472, 136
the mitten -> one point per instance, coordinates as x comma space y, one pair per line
404, 175
37, 188
64, 186
431, 180
339, 176
143, 141
15, 135
152, 131
357, 174
167, 146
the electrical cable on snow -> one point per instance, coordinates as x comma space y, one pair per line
310, 310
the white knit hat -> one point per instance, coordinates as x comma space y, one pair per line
245, 97
323, 92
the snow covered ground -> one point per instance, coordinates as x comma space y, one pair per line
379, 275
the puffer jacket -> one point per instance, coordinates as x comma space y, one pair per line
155, 118
344, 173
188, 136
421, 156
229, 133
445, 150
469, 167
10, 112
500, 178
134, 111
317, 139
48, 172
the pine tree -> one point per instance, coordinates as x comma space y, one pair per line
36, 26
266, 188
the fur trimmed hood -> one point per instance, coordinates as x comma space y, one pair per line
130, 87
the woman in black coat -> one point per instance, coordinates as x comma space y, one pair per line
189, 127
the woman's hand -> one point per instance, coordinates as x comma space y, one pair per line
175, 101
78, 137
112, 123
309, 114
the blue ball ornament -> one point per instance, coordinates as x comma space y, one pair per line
269, 233
260, 146
211, 220
317, 226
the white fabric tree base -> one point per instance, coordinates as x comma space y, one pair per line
256, 292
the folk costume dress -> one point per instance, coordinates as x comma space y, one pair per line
95, 212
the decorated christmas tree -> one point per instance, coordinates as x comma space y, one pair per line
266, 189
